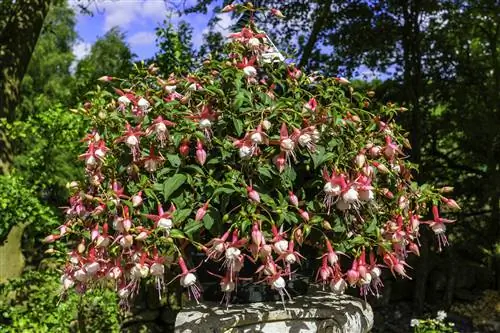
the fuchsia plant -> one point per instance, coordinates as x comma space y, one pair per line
254, 158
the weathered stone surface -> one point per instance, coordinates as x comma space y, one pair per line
317, 312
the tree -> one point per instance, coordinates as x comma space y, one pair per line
48, 79
175, 48
109, 56
20, 25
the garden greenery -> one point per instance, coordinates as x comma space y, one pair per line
245, 160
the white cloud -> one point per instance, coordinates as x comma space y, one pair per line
142, 38
123, 13
81, 49
225, 22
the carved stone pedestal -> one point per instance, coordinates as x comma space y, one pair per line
317, 312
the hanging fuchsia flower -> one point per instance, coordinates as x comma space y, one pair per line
258, 240
245, 34
306, 138
391, 150
325, 273
216, 247
311, 105
248, 67
131, 138
280, 243
159, 127
290, 257
395, 264
228, 8
287, 145
437, 225
188, 280
280, 161
152, 162
450, 203
293, 199
157, 270
274, 278
201, 212
201, 154
92, 160
206, 119
162, 220
334, 185
253, 194
331, 256
277, 13
376, 273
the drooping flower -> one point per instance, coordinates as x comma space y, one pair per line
131, 138
189, 281
437, 225
159, 127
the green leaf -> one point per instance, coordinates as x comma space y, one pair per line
238, 101
195, 168
339, 227
174, 160
358, 240
181, 214
176, 233
158, 187
267, 199
192, 227
289, 175
208, 221
372, 227
238, 126
172, 184
265, 171
223, 189
320, 156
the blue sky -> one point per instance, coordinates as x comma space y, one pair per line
138, 19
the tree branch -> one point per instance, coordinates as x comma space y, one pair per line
322, 14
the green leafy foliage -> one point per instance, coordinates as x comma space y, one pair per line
175, 53
110, 55
252, 146
33, 303
20, 205
53, 134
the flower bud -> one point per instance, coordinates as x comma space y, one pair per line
360, 160
450, 203
446, 189
266, 125
388, 194
293, 199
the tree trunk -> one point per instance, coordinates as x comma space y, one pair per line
412, 56
20, 25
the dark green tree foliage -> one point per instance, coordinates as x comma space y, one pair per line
20, 26
48, 77
213, 45
175, 48
110, 55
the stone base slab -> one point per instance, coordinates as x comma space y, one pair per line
317, 312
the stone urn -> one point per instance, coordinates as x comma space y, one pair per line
317, 311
